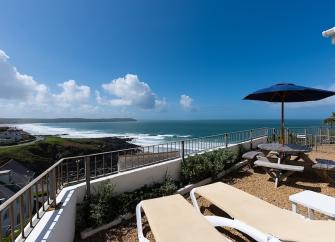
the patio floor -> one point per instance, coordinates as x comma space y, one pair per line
255, 182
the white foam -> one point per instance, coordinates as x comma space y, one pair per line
138, 139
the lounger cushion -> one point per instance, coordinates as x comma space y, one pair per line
173, 219
281, 223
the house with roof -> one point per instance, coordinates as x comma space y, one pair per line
13, 177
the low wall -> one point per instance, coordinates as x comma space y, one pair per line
131, 180
59, 225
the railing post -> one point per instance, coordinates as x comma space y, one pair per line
1, 226
273, 135
88, 175
53, 188
251, 133
226, 139
183, 150
328, 135
305, 133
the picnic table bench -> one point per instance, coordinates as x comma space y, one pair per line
277, 171
324, 168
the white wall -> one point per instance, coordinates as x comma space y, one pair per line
137, 178
59, 225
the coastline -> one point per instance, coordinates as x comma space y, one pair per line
152, 132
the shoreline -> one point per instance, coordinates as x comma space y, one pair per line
142, 139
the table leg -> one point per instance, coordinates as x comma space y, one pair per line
306, 159
279, 160
310, 213
294, 208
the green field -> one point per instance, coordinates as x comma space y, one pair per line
41, 155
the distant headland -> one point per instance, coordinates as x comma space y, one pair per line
61, 120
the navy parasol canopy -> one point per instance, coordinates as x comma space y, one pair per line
288, 92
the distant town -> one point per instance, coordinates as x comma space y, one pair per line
13, 136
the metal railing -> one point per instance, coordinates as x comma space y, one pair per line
320, 139
21, 212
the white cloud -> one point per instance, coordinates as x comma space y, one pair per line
28, 95
186, 102
17, 86
130, 91
3, 55
21, 95
161, 105
73, 93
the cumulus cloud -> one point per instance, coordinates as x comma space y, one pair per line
73, 93
3, 55
130, 91
186, 102
161, 105
14, 85
30, 96
25, 93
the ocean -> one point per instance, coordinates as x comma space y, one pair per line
148, 132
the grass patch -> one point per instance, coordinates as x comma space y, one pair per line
41, 155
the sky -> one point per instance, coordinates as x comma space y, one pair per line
161, 59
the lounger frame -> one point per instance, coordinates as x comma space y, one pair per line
218, 221
140, 234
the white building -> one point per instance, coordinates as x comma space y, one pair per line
11, 135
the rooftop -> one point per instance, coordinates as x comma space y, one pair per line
141, 173
249, 180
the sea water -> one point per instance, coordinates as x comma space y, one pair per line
148, 132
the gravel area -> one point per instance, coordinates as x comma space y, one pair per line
255, 182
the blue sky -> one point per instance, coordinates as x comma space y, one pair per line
161, 59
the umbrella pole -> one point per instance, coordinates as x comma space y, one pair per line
282, 123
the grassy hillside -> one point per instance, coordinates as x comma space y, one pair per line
39, 156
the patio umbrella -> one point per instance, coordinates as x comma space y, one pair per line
288, 92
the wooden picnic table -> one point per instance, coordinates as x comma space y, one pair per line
285, 151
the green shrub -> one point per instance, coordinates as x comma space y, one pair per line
210, 164
105, 206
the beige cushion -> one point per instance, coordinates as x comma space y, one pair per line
283, 224
173, 219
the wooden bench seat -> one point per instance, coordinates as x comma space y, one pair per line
278, 171
325, 168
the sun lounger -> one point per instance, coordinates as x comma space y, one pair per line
278, 171
173, 219
280, 223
